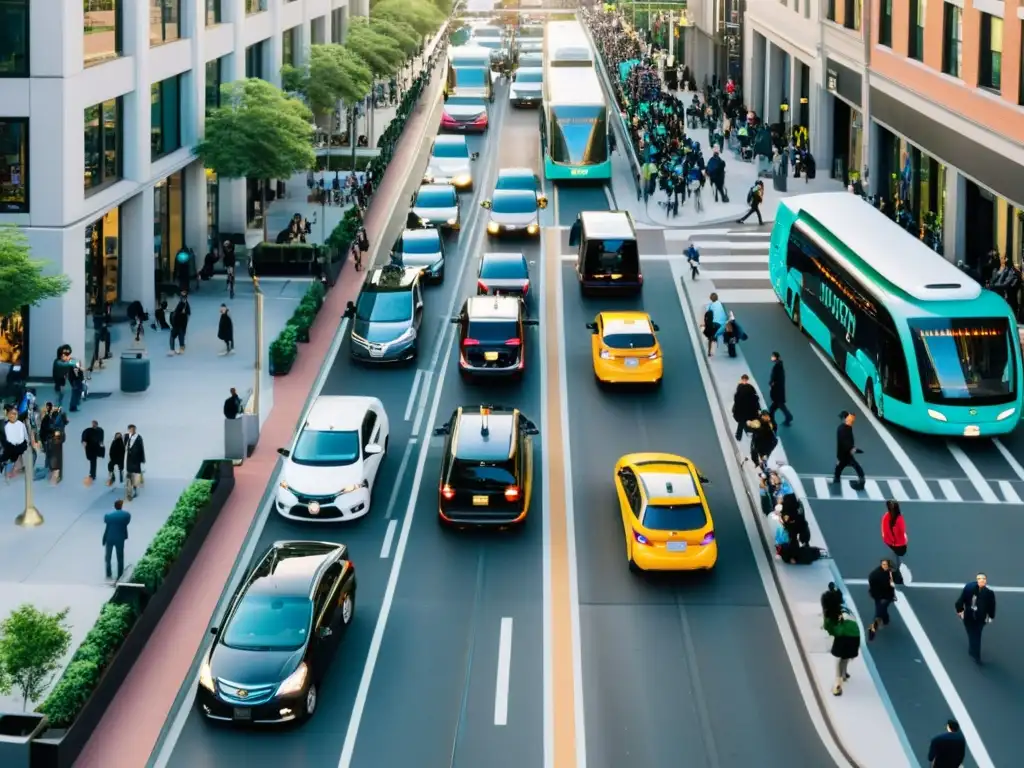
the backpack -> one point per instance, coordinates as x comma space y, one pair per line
750, 196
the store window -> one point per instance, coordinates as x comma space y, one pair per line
102, 29
254, 60
102, 145
831, 10
164, 21
14, 165
213, 84
212, 12
212, 209
990, 67
12, 341
14, 38
885, 24
288, 43
103, 261
168, 225
165, 117
255, 6
952, 39
918, 11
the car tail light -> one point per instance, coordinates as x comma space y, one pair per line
640, 279
470, 343
526, 287
447, 492
351, 566
640, 538
481, 120
512, 493
709, 537
652, 356
446, 119
482, 286
513, 342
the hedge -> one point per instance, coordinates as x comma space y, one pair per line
116, 620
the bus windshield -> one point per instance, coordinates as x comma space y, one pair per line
579, 134
965, 360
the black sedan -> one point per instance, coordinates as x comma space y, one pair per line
280, 635
503, 273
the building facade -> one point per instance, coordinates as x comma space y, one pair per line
101, 105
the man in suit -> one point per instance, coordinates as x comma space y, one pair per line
777, 390
134, 458
115, 534
92, 442
976, 606
949, 749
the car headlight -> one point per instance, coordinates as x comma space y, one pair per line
462, 180
606, 355
295, 682
936, 415
532, 229
453, 221
353, 488
206, 677
360, 340
408, 335
493, 227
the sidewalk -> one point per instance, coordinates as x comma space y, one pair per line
60, 564
132, 727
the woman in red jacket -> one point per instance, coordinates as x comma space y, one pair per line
894, 531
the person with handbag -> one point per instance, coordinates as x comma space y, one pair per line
844, 630
92, 442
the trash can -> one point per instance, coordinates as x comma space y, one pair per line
134, 371
16, 734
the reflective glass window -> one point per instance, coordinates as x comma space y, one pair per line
13, 165
101, 27
14, 38
102, 132
164, 21
165, 117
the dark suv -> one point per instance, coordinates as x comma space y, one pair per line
387, 315
492, 336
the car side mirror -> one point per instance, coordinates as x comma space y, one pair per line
284, 452
532, 321
214, 631
592, 327
703, 480
486, 204
543, 203
326, 632
655, 327
373, 450
623, 472
439, 431
529, 428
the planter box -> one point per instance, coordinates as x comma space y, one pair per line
280, 370
272, 260
61, 748
16, 733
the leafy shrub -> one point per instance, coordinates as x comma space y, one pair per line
317, 291
194, 498
284, 349
71, 693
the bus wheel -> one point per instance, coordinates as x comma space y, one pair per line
869, 398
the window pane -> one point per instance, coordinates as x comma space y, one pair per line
111, 140
93, 148
163, 21
101, 28
996, 34
14, 37
212, 84
255, 6
996, 80
156, 144
13, 165
212, 12
171, 123
175, 213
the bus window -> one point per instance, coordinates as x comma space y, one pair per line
579, 135
965, 360
892, 362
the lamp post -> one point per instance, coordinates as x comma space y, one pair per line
30, 517
258, 296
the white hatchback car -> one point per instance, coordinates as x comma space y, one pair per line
331, 466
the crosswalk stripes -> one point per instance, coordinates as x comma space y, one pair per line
734, 259
961, 490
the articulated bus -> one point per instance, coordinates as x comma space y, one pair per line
927, 347
574, 118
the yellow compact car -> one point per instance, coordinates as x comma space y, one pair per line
665, 513
625, 349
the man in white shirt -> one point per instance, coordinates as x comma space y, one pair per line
15, 441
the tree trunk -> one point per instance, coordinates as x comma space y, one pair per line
369, 128
263, 206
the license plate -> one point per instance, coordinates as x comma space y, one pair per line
480, 501
676, 546
376, 351
490, 356
632, 362
242, 714
972, 431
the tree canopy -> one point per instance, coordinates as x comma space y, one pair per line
401, 32
421, 15
258, 132
332, 73
22, 282
379, 53
32, 644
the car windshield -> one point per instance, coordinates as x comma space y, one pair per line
385, 307
515, 202
473, 474
316, 448
421, 245
492, 331
503, 269
455, 149
466, 101
471, 77
612, 257
269, 623
675, 517
629, 340
965, 361
515, 181
531, 60
529, 77
435, 198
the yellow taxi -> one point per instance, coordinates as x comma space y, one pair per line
665, 513
625, 349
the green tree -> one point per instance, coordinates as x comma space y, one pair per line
421, 15
380, 54
22, 282
401, 32
258, 132
32, 644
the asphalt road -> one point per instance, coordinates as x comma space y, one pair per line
950, 539
432, 696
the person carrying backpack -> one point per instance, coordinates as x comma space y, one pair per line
844, 631
755, 196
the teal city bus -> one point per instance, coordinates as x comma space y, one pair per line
926, 346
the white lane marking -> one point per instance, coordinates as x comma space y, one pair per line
715, 258
554, 206
874, 491
608, 196
1010, 458
504, 672
949, 490
682, 235
940, 585
424, 397
849, 494
717, 275
389, 536
643, 257
726, 440
730, 245
413, 394
821, 488
897, 490
363, 692
924, 493
1009, 494
973, 474
398, 480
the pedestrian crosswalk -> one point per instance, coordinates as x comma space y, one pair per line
962, 490
735, 260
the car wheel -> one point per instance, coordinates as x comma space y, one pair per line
633, 567
348, 608
869, 398
309, 705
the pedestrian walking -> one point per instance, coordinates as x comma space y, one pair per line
755, 196
179, 324
845, 634
60, 372
976, 606
76, 381
883, 591
948, 749
225, 331
115, 459
763, 438
115, 534
15, 443
746, 405
364, 246
894, 536
847, 450
55, 457
233, 405
93, 443
777, 390
135, 458
715, 318
228, 259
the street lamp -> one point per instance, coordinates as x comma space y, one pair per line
258, 295
30, 517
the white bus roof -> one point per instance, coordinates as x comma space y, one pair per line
884, 246
467, 52
573, 85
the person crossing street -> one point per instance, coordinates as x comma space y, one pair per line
976, 607
846, 451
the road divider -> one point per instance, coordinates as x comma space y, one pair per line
504, 672
389, 537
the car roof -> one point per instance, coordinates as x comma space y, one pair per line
384, 279
608, 225
289, 568
493, 307
668, 484
626, 323
448, 189
450, 139
431, 235
514, 173
515, 194
472, 443
339, 413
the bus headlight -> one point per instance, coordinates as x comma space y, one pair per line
492, 228
936, 415
532, 229
1006, 414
